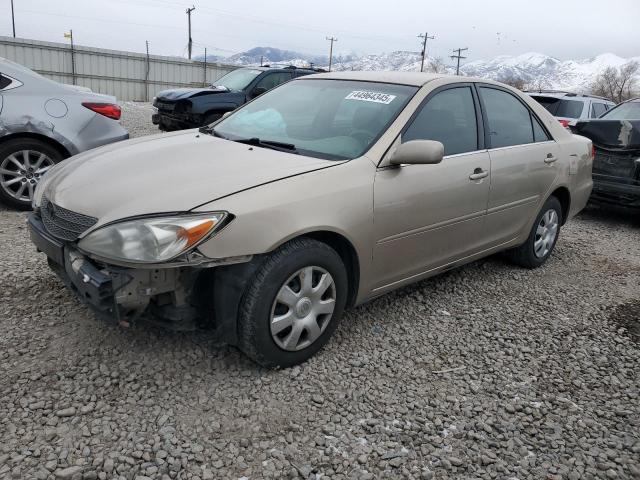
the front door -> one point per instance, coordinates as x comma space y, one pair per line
426, 216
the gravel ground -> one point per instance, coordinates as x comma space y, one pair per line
488, 371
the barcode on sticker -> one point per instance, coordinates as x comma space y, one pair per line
365, 96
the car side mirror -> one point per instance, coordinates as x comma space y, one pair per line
418, 152
256, 92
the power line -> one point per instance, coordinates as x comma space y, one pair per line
189, 10
459, 57
424, 37
331, 39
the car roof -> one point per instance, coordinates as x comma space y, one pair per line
563, 94
416, 79
293, 68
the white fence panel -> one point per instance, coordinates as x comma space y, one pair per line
119, 73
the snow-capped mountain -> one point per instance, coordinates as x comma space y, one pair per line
536, 69
544, 71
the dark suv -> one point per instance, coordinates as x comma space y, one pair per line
193, 107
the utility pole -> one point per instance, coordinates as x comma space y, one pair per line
146, 75
331, 39
424, 37
13, 20
459, 57
189, 10
205, 67
73, 56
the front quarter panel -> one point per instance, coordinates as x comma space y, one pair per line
337, 199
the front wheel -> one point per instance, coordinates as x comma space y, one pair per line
23, 162
542, 238
293, 303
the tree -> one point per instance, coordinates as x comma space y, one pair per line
617, 84
436, 65
513, 81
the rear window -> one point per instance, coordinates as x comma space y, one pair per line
559, 107
624, 111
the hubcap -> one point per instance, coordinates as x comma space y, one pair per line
546, 234
21, 171
303, 308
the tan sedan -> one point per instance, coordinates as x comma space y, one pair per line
316, 196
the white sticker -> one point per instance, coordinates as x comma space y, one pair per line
365, 96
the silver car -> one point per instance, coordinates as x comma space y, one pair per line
43, 122
570, 108
321, 194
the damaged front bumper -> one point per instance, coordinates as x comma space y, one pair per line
176, 121
124, 294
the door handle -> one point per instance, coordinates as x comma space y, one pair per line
550, 159
479, 174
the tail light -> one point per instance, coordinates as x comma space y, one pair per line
109, 110
593, 151
564, 123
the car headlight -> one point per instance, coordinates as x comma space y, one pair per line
151, 240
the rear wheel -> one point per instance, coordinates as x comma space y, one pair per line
23, 162
293, 304
542, 238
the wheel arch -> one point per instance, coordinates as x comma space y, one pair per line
230, 282
564, 197
38, 136
343, 246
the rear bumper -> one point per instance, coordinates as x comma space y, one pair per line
618, 193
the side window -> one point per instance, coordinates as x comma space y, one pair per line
448, 117
598, 109
273, 80
539, 134
509, 120
4, 82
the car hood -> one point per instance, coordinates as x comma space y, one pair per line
166, 173
181, 93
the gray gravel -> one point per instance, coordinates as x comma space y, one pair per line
488, 371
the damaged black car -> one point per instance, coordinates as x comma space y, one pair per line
183, 108
616, 165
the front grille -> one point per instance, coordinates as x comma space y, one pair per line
62, 223
168, 107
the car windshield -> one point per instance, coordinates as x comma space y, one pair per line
332, 119
624, 111
237, 79
561, 108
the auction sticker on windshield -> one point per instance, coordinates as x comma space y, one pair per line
365, 96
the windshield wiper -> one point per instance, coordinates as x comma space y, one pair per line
281, 146
211, 131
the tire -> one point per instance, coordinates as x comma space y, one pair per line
527, 255
210, 118
259, 304
12, 157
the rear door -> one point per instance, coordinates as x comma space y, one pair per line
523, 163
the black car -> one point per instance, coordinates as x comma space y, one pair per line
616, 165
193, 107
